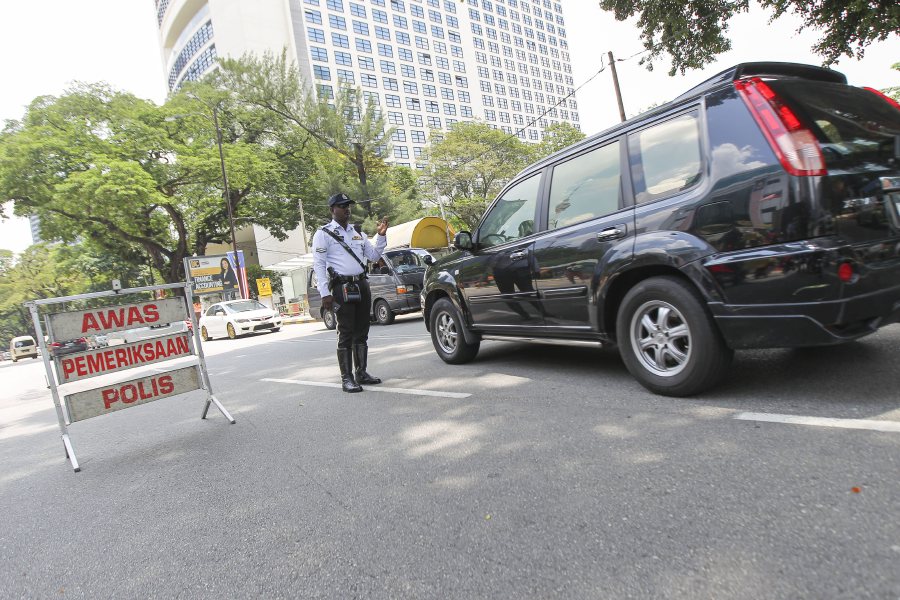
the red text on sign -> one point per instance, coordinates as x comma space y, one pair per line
117, 318
129, 356
139, 390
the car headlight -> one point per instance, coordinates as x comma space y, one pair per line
242, 320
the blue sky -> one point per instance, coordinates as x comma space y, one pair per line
47, 44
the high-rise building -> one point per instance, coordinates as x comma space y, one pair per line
34, 222
426, 63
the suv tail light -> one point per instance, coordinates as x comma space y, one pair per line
793, 143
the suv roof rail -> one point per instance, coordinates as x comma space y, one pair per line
761, 69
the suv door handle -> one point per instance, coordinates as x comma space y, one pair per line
518, 255
612, 233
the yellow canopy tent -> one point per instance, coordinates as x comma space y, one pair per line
428, 232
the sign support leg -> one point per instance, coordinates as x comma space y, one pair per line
201, 363
51, 383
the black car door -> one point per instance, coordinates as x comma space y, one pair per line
588, 227
497, 280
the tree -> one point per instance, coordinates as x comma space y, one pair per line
144, 181
693, 33
51, 271
470, 164
556, 137
893, 92
255, 272
345, 125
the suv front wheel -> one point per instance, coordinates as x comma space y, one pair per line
668, 341
447, 334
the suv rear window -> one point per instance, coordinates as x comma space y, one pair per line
852, 125
665, 158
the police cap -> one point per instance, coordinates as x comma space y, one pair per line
339, 199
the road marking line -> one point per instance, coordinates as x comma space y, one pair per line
375, 389
890, 426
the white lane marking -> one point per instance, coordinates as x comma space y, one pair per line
890, 426
370, 388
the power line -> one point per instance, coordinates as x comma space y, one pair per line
542, 115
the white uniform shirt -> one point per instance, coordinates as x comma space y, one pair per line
327, 252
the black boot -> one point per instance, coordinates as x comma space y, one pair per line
345, 360
360, 355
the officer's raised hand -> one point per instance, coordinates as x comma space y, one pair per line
382, 227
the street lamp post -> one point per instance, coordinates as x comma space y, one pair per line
234, 246
225, 192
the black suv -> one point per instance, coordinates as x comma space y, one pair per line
757, 210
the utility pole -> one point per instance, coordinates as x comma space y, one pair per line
612, 66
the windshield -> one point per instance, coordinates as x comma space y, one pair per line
406, 261
244, 306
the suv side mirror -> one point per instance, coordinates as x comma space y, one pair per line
463, 241
428, 260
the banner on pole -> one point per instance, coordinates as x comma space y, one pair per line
214, 274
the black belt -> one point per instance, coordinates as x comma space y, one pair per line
359, 277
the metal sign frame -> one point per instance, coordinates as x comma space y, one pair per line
53, 384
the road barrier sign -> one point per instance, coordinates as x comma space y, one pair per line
101, 361
93, 403
69, 325
170, 377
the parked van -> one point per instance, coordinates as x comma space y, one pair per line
760, 209
396, 282
22, 347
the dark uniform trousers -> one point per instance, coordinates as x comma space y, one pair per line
353, 318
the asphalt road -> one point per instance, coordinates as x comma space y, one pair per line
533, 472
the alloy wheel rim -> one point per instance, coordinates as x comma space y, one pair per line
661, 338
447, 335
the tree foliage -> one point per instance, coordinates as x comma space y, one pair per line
556, 137
143, 180
352, 132
693, 33
470, 164
52, 271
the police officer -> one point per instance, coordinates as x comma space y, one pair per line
352, 317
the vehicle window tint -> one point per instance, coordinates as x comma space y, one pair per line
665, 158
585, 187
512, 216
211, 310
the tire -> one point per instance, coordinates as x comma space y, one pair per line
204, 334
329, 319
447, 334
15, 360
276, 329
232, 334
383, 313
668, 340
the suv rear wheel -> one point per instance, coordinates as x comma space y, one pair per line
668, 341
447, 334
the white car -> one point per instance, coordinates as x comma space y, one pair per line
237, 317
